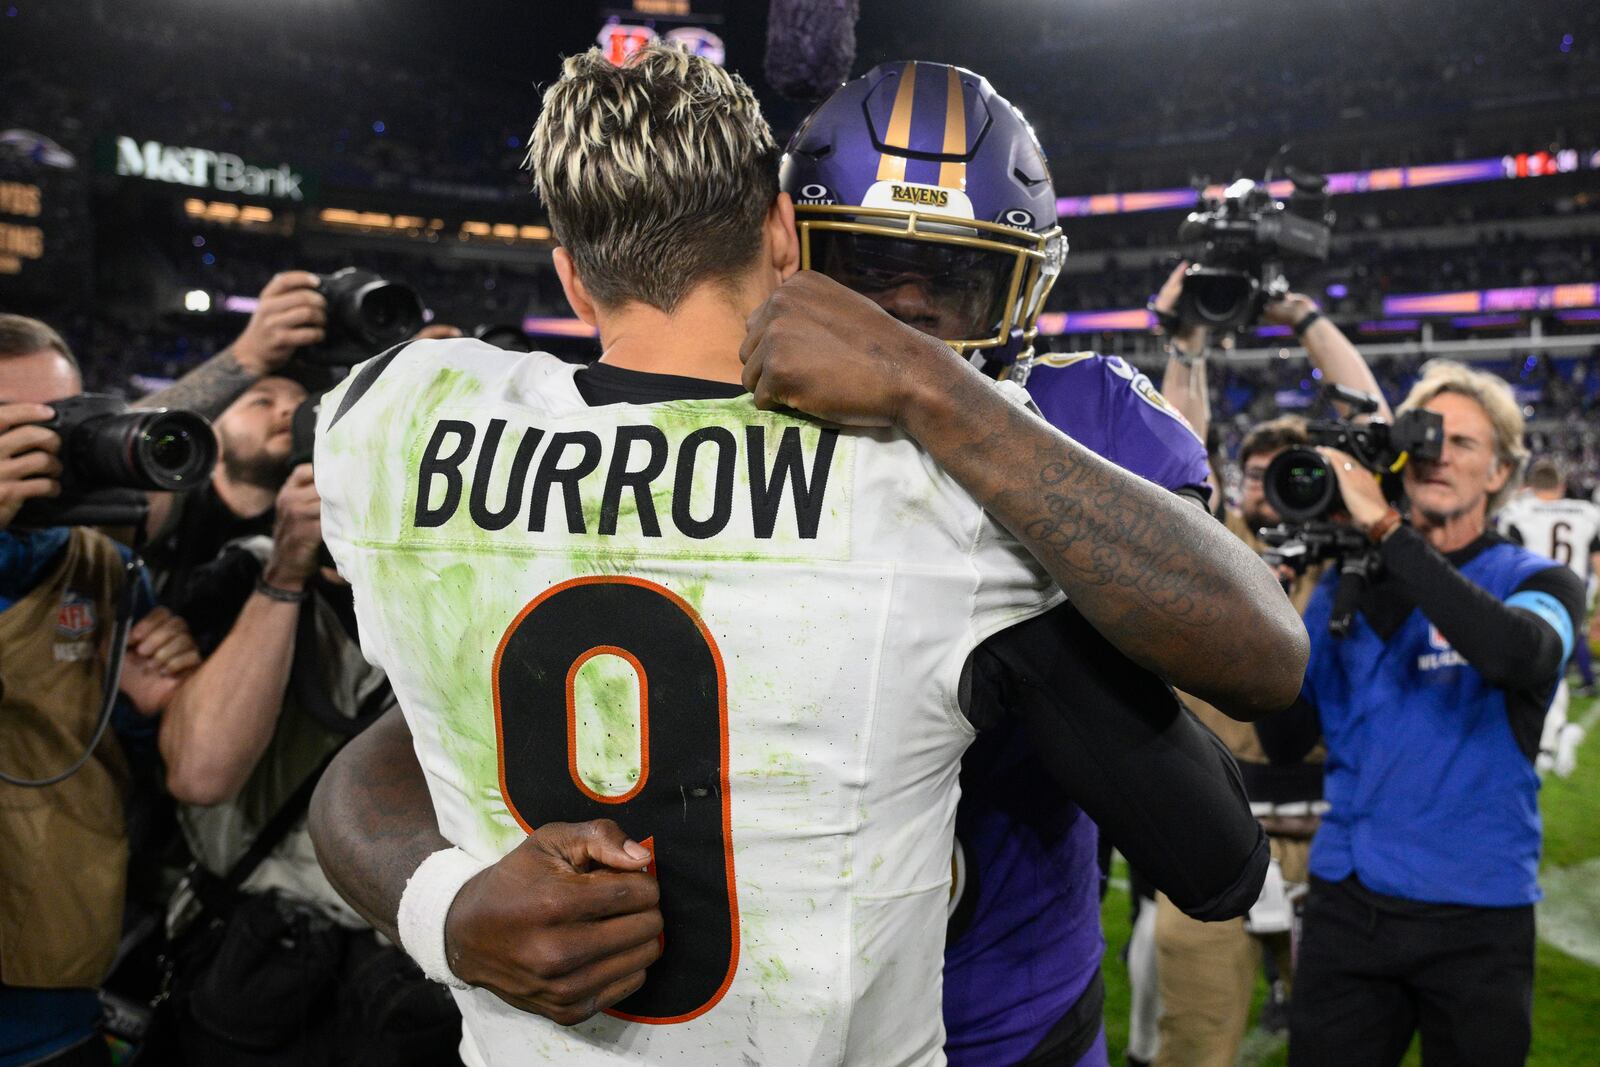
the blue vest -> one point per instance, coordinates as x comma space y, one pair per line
1430, 797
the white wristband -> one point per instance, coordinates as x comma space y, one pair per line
424, 905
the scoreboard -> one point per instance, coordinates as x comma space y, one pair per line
44, 226
685, 23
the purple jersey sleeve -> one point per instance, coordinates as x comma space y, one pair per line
1115, 411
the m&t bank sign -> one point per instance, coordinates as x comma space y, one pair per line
201, 168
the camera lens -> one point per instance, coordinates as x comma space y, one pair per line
1300, 485
149, 450
174, 450
171, 449
1221, 300
388, 314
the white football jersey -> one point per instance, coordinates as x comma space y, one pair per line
738, 633
1568, 531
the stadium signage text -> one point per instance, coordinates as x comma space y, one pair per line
18, 242
202, 168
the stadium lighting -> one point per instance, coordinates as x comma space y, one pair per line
197, 300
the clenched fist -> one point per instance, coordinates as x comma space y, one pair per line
161, 654
818, 347
563, 925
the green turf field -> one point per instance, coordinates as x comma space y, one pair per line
1566, 1004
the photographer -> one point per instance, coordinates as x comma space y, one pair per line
1425, 870
284, 688
63, 845
252, 389
1207, 971
241, 389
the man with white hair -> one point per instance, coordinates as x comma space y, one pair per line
1425, 870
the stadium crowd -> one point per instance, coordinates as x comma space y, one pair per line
285, 776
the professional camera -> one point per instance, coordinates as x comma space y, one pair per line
1247, 233
366, 314
111, 457
1304, 489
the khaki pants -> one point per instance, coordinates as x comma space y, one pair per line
1207, 973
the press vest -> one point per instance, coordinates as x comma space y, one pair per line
1430, 798
63, 851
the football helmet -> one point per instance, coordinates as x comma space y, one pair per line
921, 187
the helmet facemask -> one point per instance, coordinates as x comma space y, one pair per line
975, 285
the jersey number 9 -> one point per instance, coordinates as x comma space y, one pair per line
611, 702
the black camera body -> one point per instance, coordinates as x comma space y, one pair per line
1247, 234
1302, 487
366, 314
111, 456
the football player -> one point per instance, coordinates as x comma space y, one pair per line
633, 590
922, 188
1553, 524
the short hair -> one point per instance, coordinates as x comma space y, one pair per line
657, 174
22, 336
1286, 431
1494, 396
1545, 473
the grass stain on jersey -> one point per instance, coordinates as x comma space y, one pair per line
772, 976
780, 767
606, 707
451, 647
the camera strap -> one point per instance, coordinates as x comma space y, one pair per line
1356, 572
221, 890
313, 697
132, 567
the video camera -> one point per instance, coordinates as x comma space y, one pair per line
1303, 488
111, 457
1247, 233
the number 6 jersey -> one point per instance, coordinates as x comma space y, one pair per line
738, 633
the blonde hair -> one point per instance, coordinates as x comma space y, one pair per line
1494, 396
657, 174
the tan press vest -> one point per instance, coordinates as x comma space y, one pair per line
63, 851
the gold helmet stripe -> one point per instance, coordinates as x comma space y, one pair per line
954, 175
892, 168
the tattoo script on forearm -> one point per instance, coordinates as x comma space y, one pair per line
1158, 577
1104, 535
208, 389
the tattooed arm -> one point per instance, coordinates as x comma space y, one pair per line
1169, 586
290, 314
209, 388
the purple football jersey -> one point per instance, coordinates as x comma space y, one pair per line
1114, 410
1033, 944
